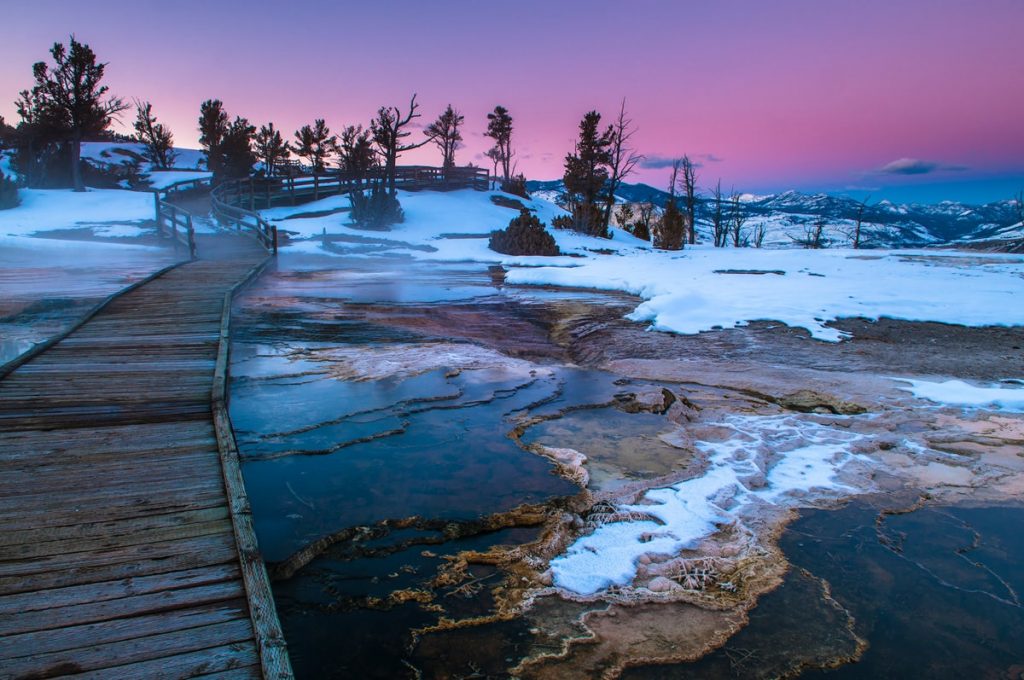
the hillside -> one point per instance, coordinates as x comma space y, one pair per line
787, 216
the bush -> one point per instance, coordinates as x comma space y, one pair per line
379, 210
525, 235
8, 192
668, 234
515, 185
563, 222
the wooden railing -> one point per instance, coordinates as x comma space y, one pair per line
237, 202
176, 224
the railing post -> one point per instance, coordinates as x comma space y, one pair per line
159, 215
191, 238
274, 234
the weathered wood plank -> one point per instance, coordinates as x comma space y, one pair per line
196, 664
91, 612
134, 650
120, 555
63, 598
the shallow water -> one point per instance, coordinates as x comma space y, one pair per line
367, 389
934, 593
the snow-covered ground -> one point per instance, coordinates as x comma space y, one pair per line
187, 164
43, 210
958, 393
699, 288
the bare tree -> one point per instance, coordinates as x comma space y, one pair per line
737, 218
814, 235
862, 207
719, 229
156, 136
757, 238
444, 132
389, 129
622, 159
494, 154
689, 189
647, 219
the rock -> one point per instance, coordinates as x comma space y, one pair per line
660, 584
651, 400
810, 401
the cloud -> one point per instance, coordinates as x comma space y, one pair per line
916, 166
657, 161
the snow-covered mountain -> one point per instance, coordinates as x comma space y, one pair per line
787, 217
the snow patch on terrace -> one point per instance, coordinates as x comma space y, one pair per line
960, 393
692, 290
776, 460
47, 209
377, 362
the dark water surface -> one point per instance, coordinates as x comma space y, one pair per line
931, 593
934, 593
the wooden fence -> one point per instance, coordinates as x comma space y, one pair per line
176, 224
237, 202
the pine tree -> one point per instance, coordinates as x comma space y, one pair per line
670, 233
316, 143
271, 149
499, 128
237, 153
156, 136
586, 175
213, 128
69, 99
444, 132
356, 153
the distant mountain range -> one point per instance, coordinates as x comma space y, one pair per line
788, 216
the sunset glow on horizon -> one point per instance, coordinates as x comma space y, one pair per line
912, 100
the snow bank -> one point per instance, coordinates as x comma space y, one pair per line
161, 179
776, 460
694, 290
114, 153
44, 210
959, 393
697, 289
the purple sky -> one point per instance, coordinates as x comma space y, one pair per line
913, 99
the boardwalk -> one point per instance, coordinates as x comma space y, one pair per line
118, 552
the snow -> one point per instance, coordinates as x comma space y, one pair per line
684, 294
960, 393
117, 152
46, 209
776, 460
683, 291
161, 179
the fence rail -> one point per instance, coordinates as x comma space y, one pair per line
175, 223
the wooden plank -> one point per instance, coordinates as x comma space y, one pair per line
152, 560
121, 542
62, 598
78, 625
134, 650
196, 664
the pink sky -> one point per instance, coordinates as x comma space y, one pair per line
810, 95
